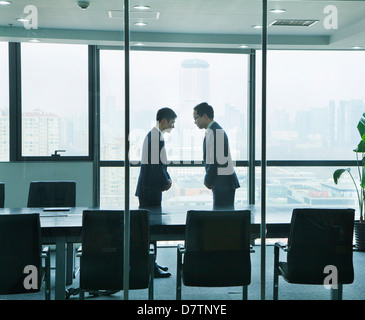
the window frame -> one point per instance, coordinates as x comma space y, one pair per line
15, 112
250, 108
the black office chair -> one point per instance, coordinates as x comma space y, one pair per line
2, 195
318, 238
101, 259
21, 255
43, 194
216, 252
52, 194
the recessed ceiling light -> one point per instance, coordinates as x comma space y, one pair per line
34, 40
140, 23
4, 3
141, 7
139, 44
242, 46
256, 26
277, 10
293, 23
356, 47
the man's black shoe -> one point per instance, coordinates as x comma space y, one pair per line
158, 273
163, 268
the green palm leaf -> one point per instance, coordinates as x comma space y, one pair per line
337, 174
360, 147
361, 127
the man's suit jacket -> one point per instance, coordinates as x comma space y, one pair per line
219, 171
153, 175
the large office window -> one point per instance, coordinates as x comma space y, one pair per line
179, 80
112, 105
54, 99
4, 102
314, 102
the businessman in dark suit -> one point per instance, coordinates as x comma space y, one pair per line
154, 178
220, 176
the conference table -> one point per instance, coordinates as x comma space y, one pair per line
63, 226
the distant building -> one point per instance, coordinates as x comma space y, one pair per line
4, 136
41, 133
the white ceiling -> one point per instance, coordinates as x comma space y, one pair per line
188, 23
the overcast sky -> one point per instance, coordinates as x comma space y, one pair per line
296, 79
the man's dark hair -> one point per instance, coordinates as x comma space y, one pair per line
204, 108
165, 113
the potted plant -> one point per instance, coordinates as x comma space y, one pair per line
359, 226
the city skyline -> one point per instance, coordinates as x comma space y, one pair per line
282, 129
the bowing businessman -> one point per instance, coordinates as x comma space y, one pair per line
154, 178
220, 176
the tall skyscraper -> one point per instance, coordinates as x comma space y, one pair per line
194, 83
194, 89
4, 135
349, 114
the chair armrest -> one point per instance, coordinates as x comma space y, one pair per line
46, 270
45, 252
152, 249
179, 264
181, 248
281, 245
79, 252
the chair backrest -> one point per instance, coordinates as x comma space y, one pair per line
2, 195
52, 194
217, 248
20, 246
320, 238
101, 263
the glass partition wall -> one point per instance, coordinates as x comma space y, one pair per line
180, 80
49, 112
284, 78
178, 61
314, 100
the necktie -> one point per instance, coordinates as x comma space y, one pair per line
204, 148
